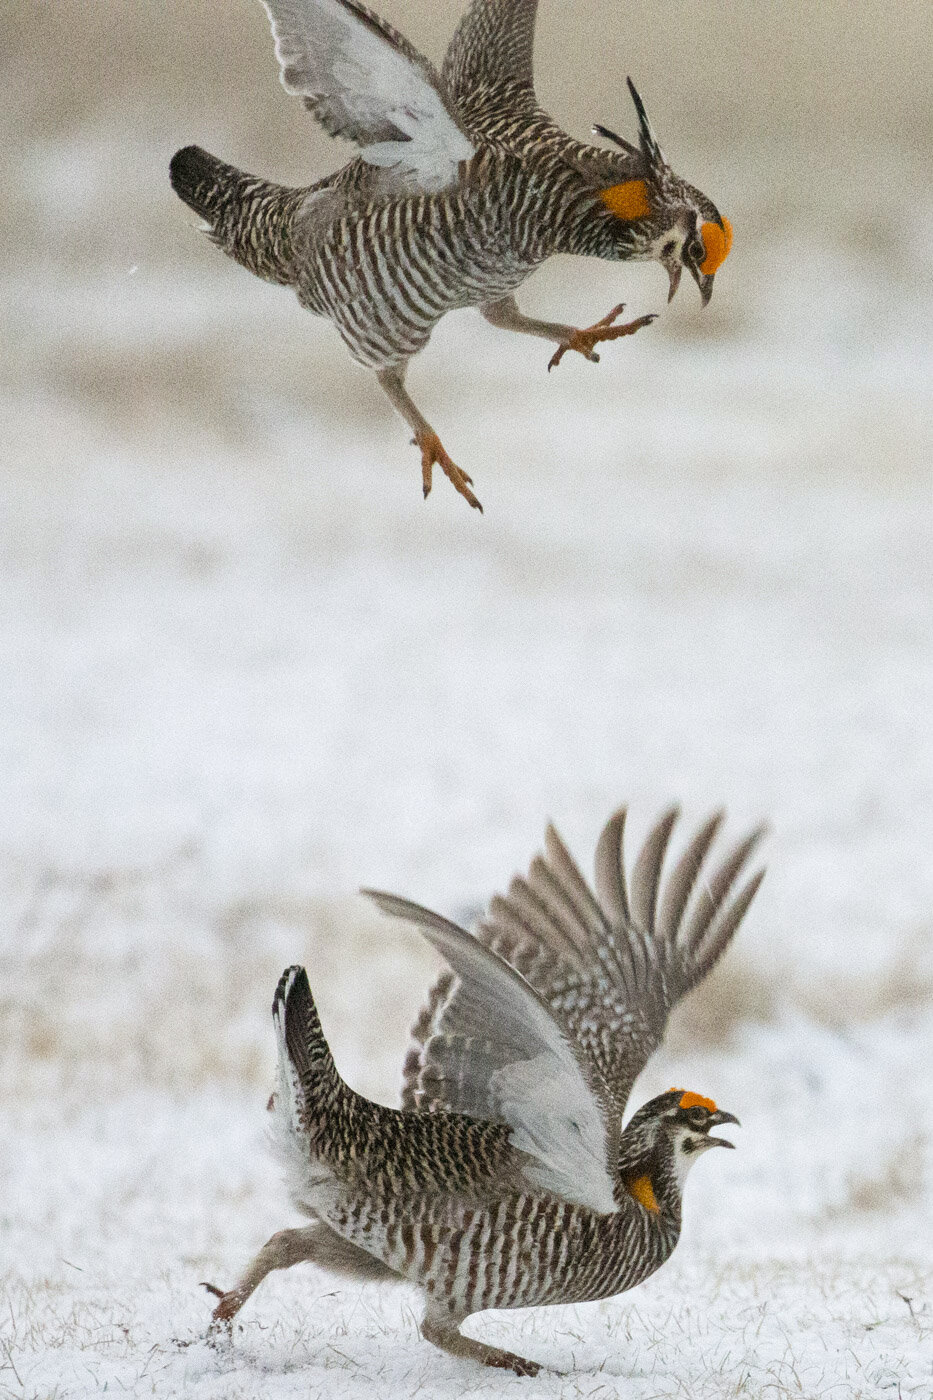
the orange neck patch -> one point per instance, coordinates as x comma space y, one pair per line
688, 1100
640, 1187
717, 242
628, 201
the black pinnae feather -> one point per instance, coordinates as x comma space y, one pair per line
613, 136
649, 143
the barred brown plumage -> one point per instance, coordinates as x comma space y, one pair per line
463, 186
506, 1180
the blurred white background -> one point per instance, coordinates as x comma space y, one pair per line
246, 669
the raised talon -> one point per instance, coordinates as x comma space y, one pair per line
432, 451
583, 341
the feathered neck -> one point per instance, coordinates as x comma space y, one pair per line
646, 1172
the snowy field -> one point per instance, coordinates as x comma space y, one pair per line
247, 670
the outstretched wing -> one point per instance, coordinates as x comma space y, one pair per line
524, 1071
609, 968
493, 44
488, 76
364, 81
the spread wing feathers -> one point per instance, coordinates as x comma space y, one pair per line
493, 44
364, 81
515, 1065
609, 968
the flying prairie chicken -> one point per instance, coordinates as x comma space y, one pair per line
463, 186
506, 1179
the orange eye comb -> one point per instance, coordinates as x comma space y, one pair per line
688, 1100
717, 242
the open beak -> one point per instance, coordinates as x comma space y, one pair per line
704, 281
720, 1116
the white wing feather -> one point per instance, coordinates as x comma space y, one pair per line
362, 80
540, 1087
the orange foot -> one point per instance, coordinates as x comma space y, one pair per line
584, 341
432, 451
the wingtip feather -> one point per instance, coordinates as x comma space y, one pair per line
646, 872
609, 868
680, 883
726, 927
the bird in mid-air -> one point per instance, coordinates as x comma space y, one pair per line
463, 186
507, 1180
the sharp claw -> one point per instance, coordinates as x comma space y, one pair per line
433, 453
583, 341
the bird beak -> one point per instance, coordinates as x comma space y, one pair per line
674, 270
704, 281
720, 1116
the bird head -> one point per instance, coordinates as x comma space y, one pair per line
664, 217
664, 1138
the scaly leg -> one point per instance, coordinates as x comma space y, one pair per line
317, 1243
432, 450
441, 1328
505, 314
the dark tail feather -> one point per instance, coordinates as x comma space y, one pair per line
250, 219
201, 180
302, 1042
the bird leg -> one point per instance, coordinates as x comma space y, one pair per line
318, 1244
432, 449
439, 1328
506, 315
285, 1248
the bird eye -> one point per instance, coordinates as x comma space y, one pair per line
698, 1117
696, 251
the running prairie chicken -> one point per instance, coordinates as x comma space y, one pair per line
463, 186
507, 1180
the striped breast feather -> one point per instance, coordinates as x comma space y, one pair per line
524, 1071
610, 966
364, 81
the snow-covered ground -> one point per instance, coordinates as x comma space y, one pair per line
246, 669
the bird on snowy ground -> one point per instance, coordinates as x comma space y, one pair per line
463, 186
506, 1180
